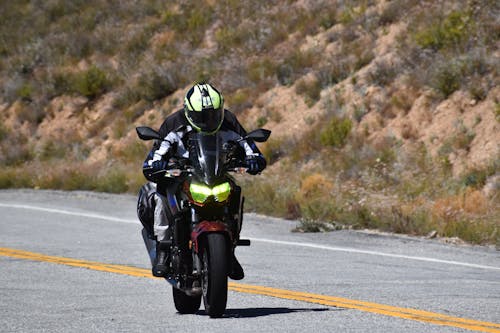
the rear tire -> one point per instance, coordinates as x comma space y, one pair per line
186, 304
214, 275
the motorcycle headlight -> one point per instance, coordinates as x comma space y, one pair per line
221, 192
200, 193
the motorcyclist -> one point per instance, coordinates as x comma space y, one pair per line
203, 112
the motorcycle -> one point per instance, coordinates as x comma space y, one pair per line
206, 215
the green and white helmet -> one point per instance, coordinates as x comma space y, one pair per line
204, 108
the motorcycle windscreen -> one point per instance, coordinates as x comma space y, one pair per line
209, 157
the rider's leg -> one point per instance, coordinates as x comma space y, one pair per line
162, 232
236, 272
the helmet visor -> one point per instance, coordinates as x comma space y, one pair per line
207, 120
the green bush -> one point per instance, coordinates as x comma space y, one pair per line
450, 31
13, 178
335, 132
447, 78
91, 83
25, 92
261, 121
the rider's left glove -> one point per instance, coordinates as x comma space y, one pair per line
255, 164
159, 166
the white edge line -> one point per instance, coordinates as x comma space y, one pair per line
264, 240
374, 253
67, 212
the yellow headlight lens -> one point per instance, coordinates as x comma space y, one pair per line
221, 192
200, 193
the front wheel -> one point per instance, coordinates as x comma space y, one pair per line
184, 303
214, 275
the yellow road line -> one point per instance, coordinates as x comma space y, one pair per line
387, 310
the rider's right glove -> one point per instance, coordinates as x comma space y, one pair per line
159, 165
255, 164
154, 172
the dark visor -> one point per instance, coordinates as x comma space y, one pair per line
207, 120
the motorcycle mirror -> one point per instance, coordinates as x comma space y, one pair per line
147, 133
258, 135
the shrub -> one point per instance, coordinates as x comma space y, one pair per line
447, 78
4, 132
114, 181
310, 89
52, 150
91, 83
403, 99
284, 74
260, 69
328, 17
131, 153
384, 73
14, 178
450, 31
391, 13
333, 73
229, 37
263, 195
29, 112
240, 100
261, 121
25, 92
190, 20
335, 132
296, 63
476, 178
156, 83
273, 150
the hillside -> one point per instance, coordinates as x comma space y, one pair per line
385, 114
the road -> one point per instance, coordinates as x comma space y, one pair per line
350, 281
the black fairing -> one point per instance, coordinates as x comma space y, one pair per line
208, 157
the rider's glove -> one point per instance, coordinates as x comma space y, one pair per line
153, 172
255, 164
159, 165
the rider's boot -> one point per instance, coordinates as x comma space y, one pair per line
236, 269
160, 267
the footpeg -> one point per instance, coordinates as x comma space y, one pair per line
243, 242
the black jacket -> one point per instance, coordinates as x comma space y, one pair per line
174, 130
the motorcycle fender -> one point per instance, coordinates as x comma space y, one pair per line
207, 227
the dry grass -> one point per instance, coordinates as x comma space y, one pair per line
143, 52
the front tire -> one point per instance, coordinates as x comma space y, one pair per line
186, 304
214, 275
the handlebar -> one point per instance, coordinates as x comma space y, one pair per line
176, 172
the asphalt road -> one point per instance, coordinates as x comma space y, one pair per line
398, 271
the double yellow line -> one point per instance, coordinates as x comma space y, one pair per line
387, 310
